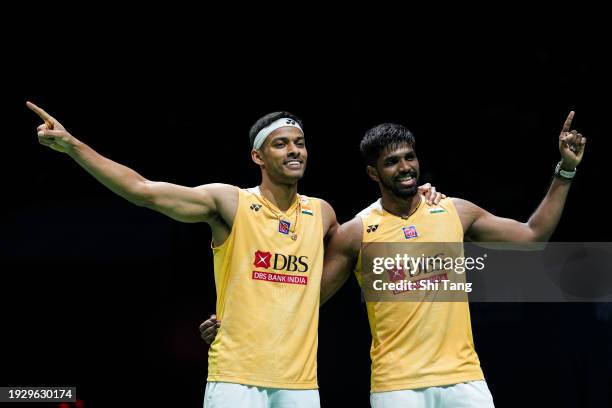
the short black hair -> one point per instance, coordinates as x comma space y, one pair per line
267, 120
384, 136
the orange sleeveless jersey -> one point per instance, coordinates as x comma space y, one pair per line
268, 288
418, 344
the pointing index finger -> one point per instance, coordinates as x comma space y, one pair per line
568, 122
49, 121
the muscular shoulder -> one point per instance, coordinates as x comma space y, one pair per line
328, 216
327, 211
219, 190
225, 197
468, 212
465, 207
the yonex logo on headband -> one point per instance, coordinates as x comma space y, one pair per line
265, 132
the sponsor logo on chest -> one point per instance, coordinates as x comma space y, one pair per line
280, 263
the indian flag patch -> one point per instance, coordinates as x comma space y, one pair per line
307, 212
437, 210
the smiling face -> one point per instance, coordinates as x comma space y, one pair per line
283, 155
397, 171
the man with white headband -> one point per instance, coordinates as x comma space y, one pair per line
268, 258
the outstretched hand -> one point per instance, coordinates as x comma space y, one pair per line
571, 145
51, 133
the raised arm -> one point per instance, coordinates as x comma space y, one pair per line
186, 204
341, 255
481, 225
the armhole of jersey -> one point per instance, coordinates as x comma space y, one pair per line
222, 288
363, 215
454, 210
231, 234
358, 266
318, 208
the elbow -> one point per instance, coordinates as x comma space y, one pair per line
142, 195
536, 240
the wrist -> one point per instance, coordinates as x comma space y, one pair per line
568, 167
73, 146
565, 172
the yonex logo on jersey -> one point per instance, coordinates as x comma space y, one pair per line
284, 226
372, 228
255, 207
262, 259
410, 232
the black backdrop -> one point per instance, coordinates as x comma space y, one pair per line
106, 296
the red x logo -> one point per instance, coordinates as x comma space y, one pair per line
262, 259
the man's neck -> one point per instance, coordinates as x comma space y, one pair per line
281, 195
401, 207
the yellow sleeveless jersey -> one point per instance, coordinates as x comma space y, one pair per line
268, 277
418, 344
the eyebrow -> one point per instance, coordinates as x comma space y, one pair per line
286, 138
394, 155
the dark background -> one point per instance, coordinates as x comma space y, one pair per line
106, 296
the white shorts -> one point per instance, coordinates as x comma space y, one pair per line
473, 394
229, 395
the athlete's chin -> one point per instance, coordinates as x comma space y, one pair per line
405, 192
290, 178
294, 174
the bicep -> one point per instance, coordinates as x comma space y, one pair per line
492, 228
481, 226
340, 257
186, 204
338, 262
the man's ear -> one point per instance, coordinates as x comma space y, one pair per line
256, 156
372, 173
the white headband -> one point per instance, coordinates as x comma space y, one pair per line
265, 132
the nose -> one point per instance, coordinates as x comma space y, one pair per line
404, 166
293, 150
